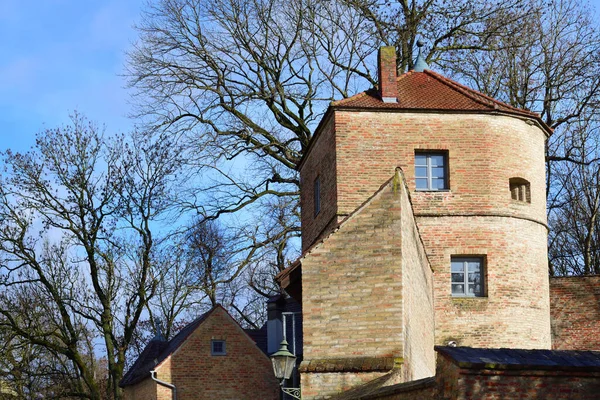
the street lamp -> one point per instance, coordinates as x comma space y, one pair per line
283, 365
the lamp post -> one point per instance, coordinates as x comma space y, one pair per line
283, 365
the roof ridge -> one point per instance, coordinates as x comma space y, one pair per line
461, 89
474, 94
346, 99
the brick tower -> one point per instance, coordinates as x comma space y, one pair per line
423, 204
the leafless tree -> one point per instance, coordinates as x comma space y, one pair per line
552, 66
242, 83
77, 244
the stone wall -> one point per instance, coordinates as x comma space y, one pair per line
575, 310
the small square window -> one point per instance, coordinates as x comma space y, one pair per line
467, 276
317, 195
431, 171
217, 348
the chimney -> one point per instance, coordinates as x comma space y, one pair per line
388, 86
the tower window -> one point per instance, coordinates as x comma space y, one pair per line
317, 195
520, 189
217, 348
431, 171
467, 276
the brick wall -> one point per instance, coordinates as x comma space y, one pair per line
417, 297
358, 286
484, 152
575, 311
455, 383
320, 162
515, 311
476, 216
145, 390
245, 372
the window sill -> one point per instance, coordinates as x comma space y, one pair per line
432, 191
468, 303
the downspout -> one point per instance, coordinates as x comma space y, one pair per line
172, 387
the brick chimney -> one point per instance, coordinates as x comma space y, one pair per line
388, 87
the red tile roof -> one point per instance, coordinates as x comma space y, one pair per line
429, 90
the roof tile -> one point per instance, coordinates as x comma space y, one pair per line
429, 90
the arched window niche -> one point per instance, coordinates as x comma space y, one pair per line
520, 190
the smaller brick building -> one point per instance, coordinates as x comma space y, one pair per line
211, 358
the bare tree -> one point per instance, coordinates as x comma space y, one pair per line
77, 244
242, 83
553, 67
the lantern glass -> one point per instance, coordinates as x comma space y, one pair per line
283, 362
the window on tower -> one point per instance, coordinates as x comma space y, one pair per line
467, 276
431, 170
520, 189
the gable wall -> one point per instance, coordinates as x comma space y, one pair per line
575, 310
353, 301
244, 373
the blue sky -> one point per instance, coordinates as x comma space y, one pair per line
57, 56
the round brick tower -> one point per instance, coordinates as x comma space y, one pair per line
476, 175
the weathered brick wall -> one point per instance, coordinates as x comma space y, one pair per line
515, 312
454, 383
319, 162
324, 385
353, 294
484, 152
575, 311
417, 297
475, 217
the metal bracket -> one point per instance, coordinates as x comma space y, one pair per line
294, 392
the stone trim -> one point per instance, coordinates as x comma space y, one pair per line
496, 215
356, 364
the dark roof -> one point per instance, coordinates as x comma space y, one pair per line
518, 359
260, 337
145, 362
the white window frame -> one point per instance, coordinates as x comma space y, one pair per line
465, 260
429, 176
